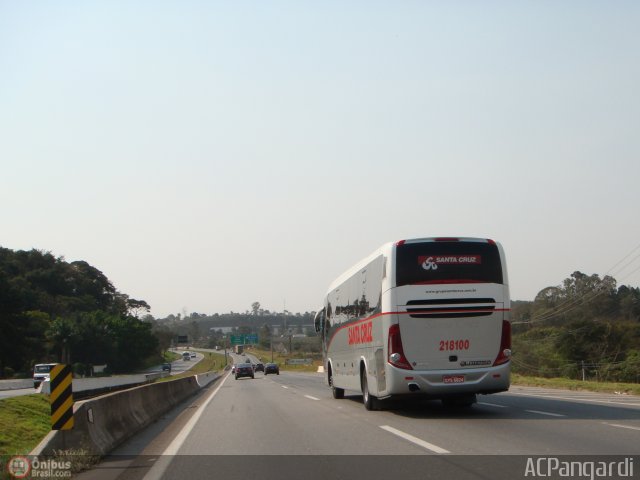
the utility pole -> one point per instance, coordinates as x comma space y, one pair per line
290, 346
284, 312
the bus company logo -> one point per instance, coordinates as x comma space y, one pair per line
431, 262
361, 333
428, 263
19, 467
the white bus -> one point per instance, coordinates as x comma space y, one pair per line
422, 317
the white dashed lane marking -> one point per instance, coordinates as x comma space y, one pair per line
549, 414
622, 426
415, 440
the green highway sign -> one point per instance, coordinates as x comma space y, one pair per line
249, 338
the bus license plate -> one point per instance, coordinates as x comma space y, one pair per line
453, 379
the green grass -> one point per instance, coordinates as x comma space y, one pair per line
265, 356
568, 384
210, 363
170, 356
24, 421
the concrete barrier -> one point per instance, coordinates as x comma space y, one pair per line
100, 383
15, 384
104, 422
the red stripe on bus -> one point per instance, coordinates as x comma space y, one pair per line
419, 312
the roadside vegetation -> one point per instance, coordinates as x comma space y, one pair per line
70, 313
586, 329
24, 421
568, 384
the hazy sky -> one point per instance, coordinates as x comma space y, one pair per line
208, 154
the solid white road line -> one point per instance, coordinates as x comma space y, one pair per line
622, 426
311, 398
159, 468
416, 440
545, 413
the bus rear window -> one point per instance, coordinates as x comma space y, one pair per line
447, 262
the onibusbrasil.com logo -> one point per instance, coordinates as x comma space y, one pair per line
24, 467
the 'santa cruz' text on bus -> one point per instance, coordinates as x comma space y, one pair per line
360, 333
431, 262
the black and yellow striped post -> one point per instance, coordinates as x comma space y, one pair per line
61, 398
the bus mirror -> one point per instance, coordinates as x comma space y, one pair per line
318, 321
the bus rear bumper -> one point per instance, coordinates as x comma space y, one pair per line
445, 383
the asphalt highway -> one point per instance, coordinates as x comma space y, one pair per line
277, 425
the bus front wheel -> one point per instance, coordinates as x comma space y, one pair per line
370, 402
338, 393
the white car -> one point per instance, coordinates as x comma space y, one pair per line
41, 373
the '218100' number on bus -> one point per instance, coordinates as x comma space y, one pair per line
451, 345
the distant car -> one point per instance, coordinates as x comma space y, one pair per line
259, 367
41, 373
186, 356
271, 368
244, 370
166, 367
193, 355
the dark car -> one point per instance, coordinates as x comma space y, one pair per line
244, 370
166, 367
271, 368
259, 367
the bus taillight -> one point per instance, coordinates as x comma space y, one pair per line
504, 355
396, 354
